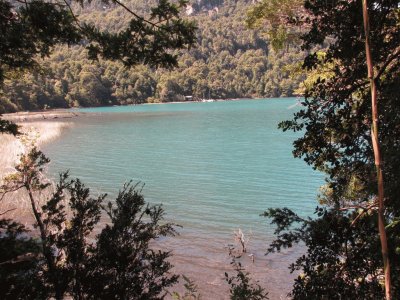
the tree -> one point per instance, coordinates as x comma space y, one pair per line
231, 61
18, 255
336, 120
280, 19
342, 261
69, 259
8, 127
64, 261
241, 285
377, 153
30, 29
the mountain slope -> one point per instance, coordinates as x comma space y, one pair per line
229, 61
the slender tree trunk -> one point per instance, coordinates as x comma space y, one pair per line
377, 154
46, 249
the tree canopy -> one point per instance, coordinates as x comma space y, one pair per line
279, 18
227, 61
336, 120
32, 28
71, 258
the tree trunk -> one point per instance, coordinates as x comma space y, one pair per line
377, 154
46, 249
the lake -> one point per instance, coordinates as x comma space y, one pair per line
215, 167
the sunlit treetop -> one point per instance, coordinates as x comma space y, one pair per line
282, 20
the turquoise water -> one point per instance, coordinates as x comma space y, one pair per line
214, 166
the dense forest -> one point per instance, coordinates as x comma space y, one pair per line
348, 123
229, 61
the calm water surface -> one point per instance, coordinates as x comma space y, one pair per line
214, 166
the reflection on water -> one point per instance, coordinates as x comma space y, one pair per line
214, 166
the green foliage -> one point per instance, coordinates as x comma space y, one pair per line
8, 127
191, 292
145, 41
279, 18
125, 244
343, 258
19, 255
117, 263
228, 61
30, 30
242, 287
34, 28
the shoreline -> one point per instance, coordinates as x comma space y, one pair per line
207, 265
34, 130
68, 113
23, 117
204, 101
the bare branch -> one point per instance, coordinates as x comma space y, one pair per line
73, 14
7, 211
135, 15
365, 209
11, 190
388, 62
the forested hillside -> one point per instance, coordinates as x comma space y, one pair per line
230, 61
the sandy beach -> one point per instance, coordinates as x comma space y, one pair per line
38, 128
55, 114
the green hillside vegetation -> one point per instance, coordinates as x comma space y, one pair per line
229, 61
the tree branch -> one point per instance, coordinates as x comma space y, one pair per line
387, 63
10, 191
7, 211
136, 15
73, 15
20, 258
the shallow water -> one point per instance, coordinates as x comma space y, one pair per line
214, 166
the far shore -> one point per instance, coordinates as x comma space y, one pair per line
209, 100
69, 113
